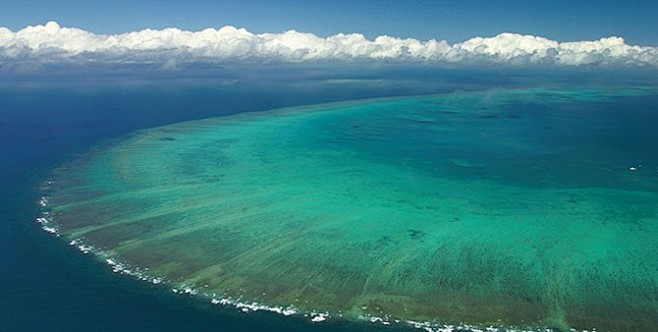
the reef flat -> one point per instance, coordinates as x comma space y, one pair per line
530, 207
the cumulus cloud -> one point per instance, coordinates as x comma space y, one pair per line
52, 43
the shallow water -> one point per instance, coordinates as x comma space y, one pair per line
49, 120
528, 207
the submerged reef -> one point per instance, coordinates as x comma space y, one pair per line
513, 208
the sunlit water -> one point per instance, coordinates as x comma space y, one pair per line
530, 208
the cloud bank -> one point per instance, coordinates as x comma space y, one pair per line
51, 43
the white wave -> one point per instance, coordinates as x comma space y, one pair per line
46, 219
51, 43
43, 201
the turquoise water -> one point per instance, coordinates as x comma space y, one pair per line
528, 207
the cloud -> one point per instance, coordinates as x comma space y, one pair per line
51, 43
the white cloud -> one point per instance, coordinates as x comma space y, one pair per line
52, 43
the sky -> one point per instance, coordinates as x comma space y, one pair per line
453, 21
448, 33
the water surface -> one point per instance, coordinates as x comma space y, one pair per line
526, 207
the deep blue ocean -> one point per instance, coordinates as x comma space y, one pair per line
49, 117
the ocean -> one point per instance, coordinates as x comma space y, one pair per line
50, 118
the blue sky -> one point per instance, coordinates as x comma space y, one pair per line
453, 21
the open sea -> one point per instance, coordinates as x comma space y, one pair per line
52, 117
